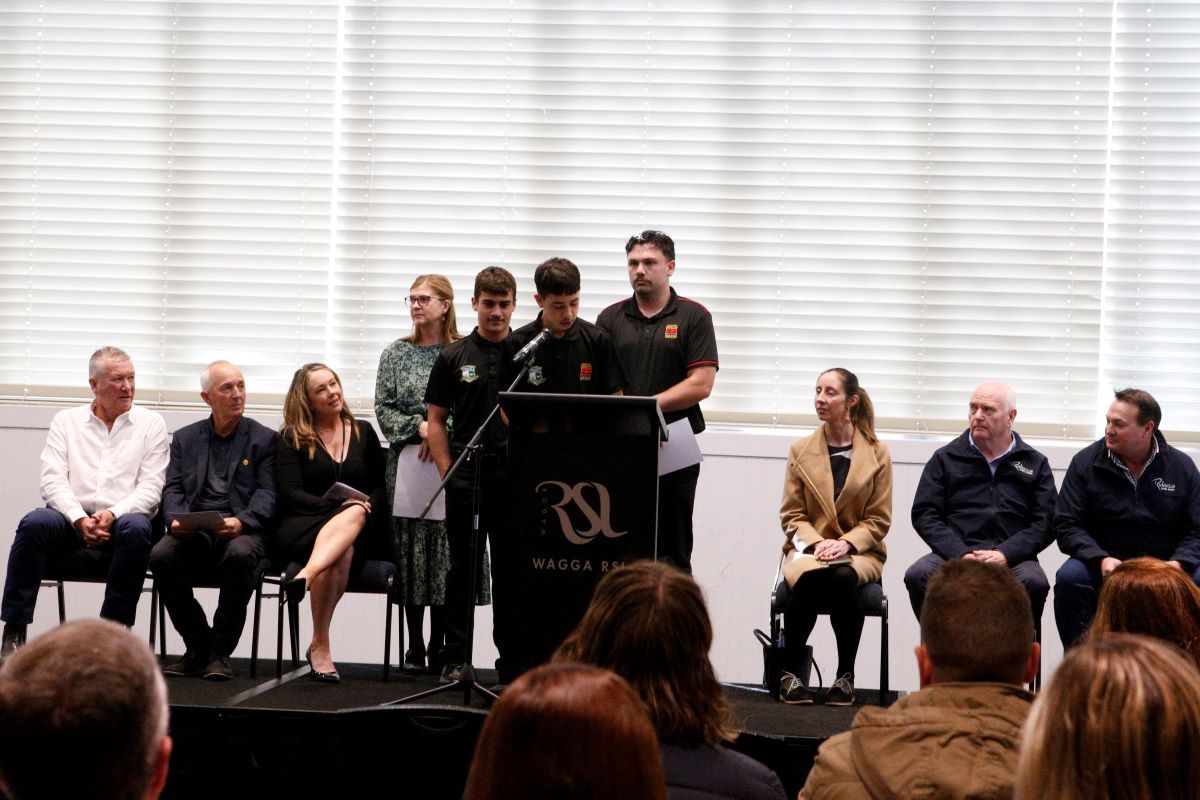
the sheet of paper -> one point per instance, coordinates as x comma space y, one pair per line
681, 448
342, 491
201, 519
416, 481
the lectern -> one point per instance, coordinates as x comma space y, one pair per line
583, 499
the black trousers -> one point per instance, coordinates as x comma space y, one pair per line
460, 590
45, 537
179, 564
676, 499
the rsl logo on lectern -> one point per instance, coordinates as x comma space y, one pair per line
592, 506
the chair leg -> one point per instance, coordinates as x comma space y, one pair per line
279, 637
883, 655
254, 640
62, 604
387, 638
154, 616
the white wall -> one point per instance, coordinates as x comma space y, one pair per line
737, 551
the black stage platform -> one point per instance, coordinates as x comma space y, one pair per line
249, 737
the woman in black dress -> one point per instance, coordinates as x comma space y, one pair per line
321, 444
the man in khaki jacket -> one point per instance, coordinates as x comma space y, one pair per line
958, 736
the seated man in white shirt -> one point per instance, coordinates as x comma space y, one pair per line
102, 478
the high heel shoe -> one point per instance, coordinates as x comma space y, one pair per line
317, 675
294, 589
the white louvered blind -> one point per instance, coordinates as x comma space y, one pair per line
913, 190
1152, 282
165, 188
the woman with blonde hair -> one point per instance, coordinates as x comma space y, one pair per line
1150, 597
567, 732
321, 444
419, 546
1120, 720
837, 507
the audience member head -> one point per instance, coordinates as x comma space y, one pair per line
315, 393
567, 732
991, 412
83, 713
1119, 720
976, 626
855, 400
438, 288
1129, 425
495, 280
647, 622
1151, 597
223, 389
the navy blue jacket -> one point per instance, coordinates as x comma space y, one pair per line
960, 506
251, 486
1100, 513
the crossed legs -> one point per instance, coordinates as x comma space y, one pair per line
327, 573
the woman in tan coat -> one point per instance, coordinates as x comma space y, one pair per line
837, 507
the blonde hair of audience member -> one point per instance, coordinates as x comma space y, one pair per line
567, 732
1151, 597
648, 623
1120, 720
299, 419
440, 287
83, 713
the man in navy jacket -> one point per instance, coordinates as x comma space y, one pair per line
224, 464
987, 496
1130, 494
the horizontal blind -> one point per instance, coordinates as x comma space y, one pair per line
165, 188
1152, 277
910, 190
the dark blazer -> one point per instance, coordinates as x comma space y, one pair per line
251, 485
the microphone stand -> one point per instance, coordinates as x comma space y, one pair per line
467, 680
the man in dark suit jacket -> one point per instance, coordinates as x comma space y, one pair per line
224, 464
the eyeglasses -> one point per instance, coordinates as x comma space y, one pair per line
420, 301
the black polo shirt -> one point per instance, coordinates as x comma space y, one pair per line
466, 380
583, 361
657, 352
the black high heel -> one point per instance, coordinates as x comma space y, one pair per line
317, 675
295, 589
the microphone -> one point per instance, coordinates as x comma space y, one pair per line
531, 348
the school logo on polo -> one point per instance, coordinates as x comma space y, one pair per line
671, 332
468, 374
536, 376
599, 521
1163, 486
585, 371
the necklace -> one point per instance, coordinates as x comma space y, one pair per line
340, 444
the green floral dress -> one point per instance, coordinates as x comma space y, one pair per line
420, 547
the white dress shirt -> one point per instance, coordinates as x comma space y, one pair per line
88, 468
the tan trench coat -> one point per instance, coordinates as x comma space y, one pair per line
861, 515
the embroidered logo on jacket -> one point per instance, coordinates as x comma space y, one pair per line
536, 377
1163, 486
1019, 467
468, 374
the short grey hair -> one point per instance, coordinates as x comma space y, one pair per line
103, 356
206, 378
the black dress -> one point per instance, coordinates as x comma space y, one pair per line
302, 481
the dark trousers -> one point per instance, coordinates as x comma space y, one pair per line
460, 593
1076, 590
834, 589
179, 564
1029, 573
45, 538
676, 499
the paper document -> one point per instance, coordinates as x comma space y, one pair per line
681, 448
416, 481
210, 520
342, 491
